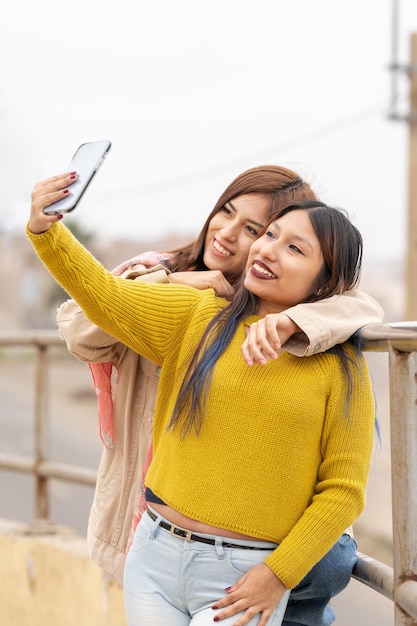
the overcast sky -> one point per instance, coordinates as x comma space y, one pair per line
192, 93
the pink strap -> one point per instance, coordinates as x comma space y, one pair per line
102, 379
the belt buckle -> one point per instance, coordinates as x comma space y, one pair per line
187, 533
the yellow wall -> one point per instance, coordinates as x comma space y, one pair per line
47, 579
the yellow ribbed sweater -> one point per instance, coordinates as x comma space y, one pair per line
277, 457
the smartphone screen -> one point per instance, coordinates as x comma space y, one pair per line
86, 161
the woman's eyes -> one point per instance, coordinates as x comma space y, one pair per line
272, 235
252, 231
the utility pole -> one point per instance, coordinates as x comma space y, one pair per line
409, 71
411, 267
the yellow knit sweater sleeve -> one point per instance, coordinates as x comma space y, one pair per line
134, 312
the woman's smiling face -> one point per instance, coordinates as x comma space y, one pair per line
285, 263
233, 230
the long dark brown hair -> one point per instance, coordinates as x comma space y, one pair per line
281, 185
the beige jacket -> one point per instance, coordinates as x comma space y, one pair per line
325, 324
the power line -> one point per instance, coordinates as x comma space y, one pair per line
217, 170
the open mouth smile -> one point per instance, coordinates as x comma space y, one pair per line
217, 246
261, 271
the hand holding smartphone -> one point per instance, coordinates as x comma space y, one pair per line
86, 161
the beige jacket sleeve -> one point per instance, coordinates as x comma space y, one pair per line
323, 324
87, 342
331, 321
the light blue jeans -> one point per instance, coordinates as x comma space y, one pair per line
172, 582
168, 580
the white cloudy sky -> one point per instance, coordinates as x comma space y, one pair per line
191, 93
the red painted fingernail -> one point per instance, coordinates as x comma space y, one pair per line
65, 191
216, 619
228, 589
214, 607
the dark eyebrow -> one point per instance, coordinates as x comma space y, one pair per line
295, 236
251, 221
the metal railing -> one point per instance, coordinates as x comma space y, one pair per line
398, 583
39, 464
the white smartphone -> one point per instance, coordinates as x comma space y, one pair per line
86, 162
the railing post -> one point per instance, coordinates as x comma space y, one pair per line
42, 428
403, 400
